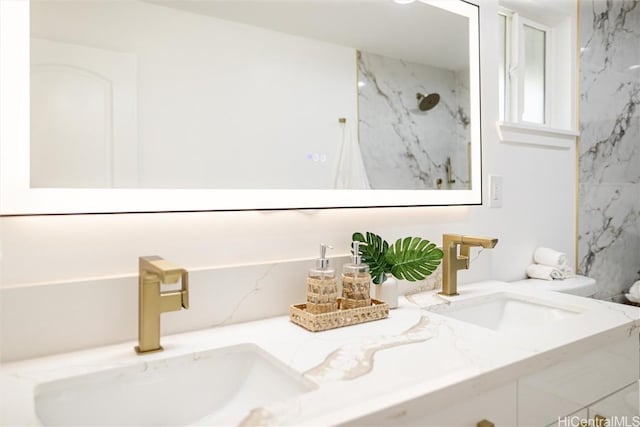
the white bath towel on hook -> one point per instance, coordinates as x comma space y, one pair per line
350, 172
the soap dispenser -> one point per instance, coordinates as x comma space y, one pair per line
356, 281
322, 286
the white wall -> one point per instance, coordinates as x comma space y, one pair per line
538, 209
211, 105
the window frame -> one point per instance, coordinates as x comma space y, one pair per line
504, 113
560, 19
514, 66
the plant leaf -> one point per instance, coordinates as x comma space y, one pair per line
373, 250
413, 258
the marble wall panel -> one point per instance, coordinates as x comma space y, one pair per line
609, 241
609, 196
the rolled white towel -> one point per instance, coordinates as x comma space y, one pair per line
635, 289
544, 272
546, 256
567, 271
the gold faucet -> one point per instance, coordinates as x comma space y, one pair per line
452, 262
154, 270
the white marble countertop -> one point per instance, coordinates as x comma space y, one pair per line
415, 353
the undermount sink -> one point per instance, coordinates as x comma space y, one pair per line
506, 311
216, 387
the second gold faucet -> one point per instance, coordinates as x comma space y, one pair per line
452, 262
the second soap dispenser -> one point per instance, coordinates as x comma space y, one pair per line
356, 281
322, 286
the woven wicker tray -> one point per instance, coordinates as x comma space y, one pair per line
337, 319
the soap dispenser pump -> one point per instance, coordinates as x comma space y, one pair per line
322, 285
356, 281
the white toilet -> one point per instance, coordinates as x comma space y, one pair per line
579, 285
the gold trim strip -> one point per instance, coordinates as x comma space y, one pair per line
577, 189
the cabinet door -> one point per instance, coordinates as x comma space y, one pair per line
620, 409
497, 406
573, 384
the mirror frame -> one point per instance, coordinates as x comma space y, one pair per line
17, 198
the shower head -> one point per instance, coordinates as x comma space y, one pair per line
427, 102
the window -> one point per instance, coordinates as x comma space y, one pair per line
537, 58
534, 69
523, 69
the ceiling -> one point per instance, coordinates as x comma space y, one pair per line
414, 32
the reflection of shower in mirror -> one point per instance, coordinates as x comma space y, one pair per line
427, 102
425, 127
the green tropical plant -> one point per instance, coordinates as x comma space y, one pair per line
411, 258
373, 250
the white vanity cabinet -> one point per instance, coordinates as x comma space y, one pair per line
598, 382
621, 408
601, 382
624, 403
497, 406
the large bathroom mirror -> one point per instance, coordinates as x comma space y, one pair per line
175, 105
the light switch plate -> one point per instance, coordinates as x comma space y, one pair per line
496, 191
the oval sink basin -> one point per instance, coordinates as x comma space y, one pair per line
217, 387
505, 311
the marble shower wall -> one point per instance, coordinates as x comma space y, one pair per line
403, 147
609, 204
